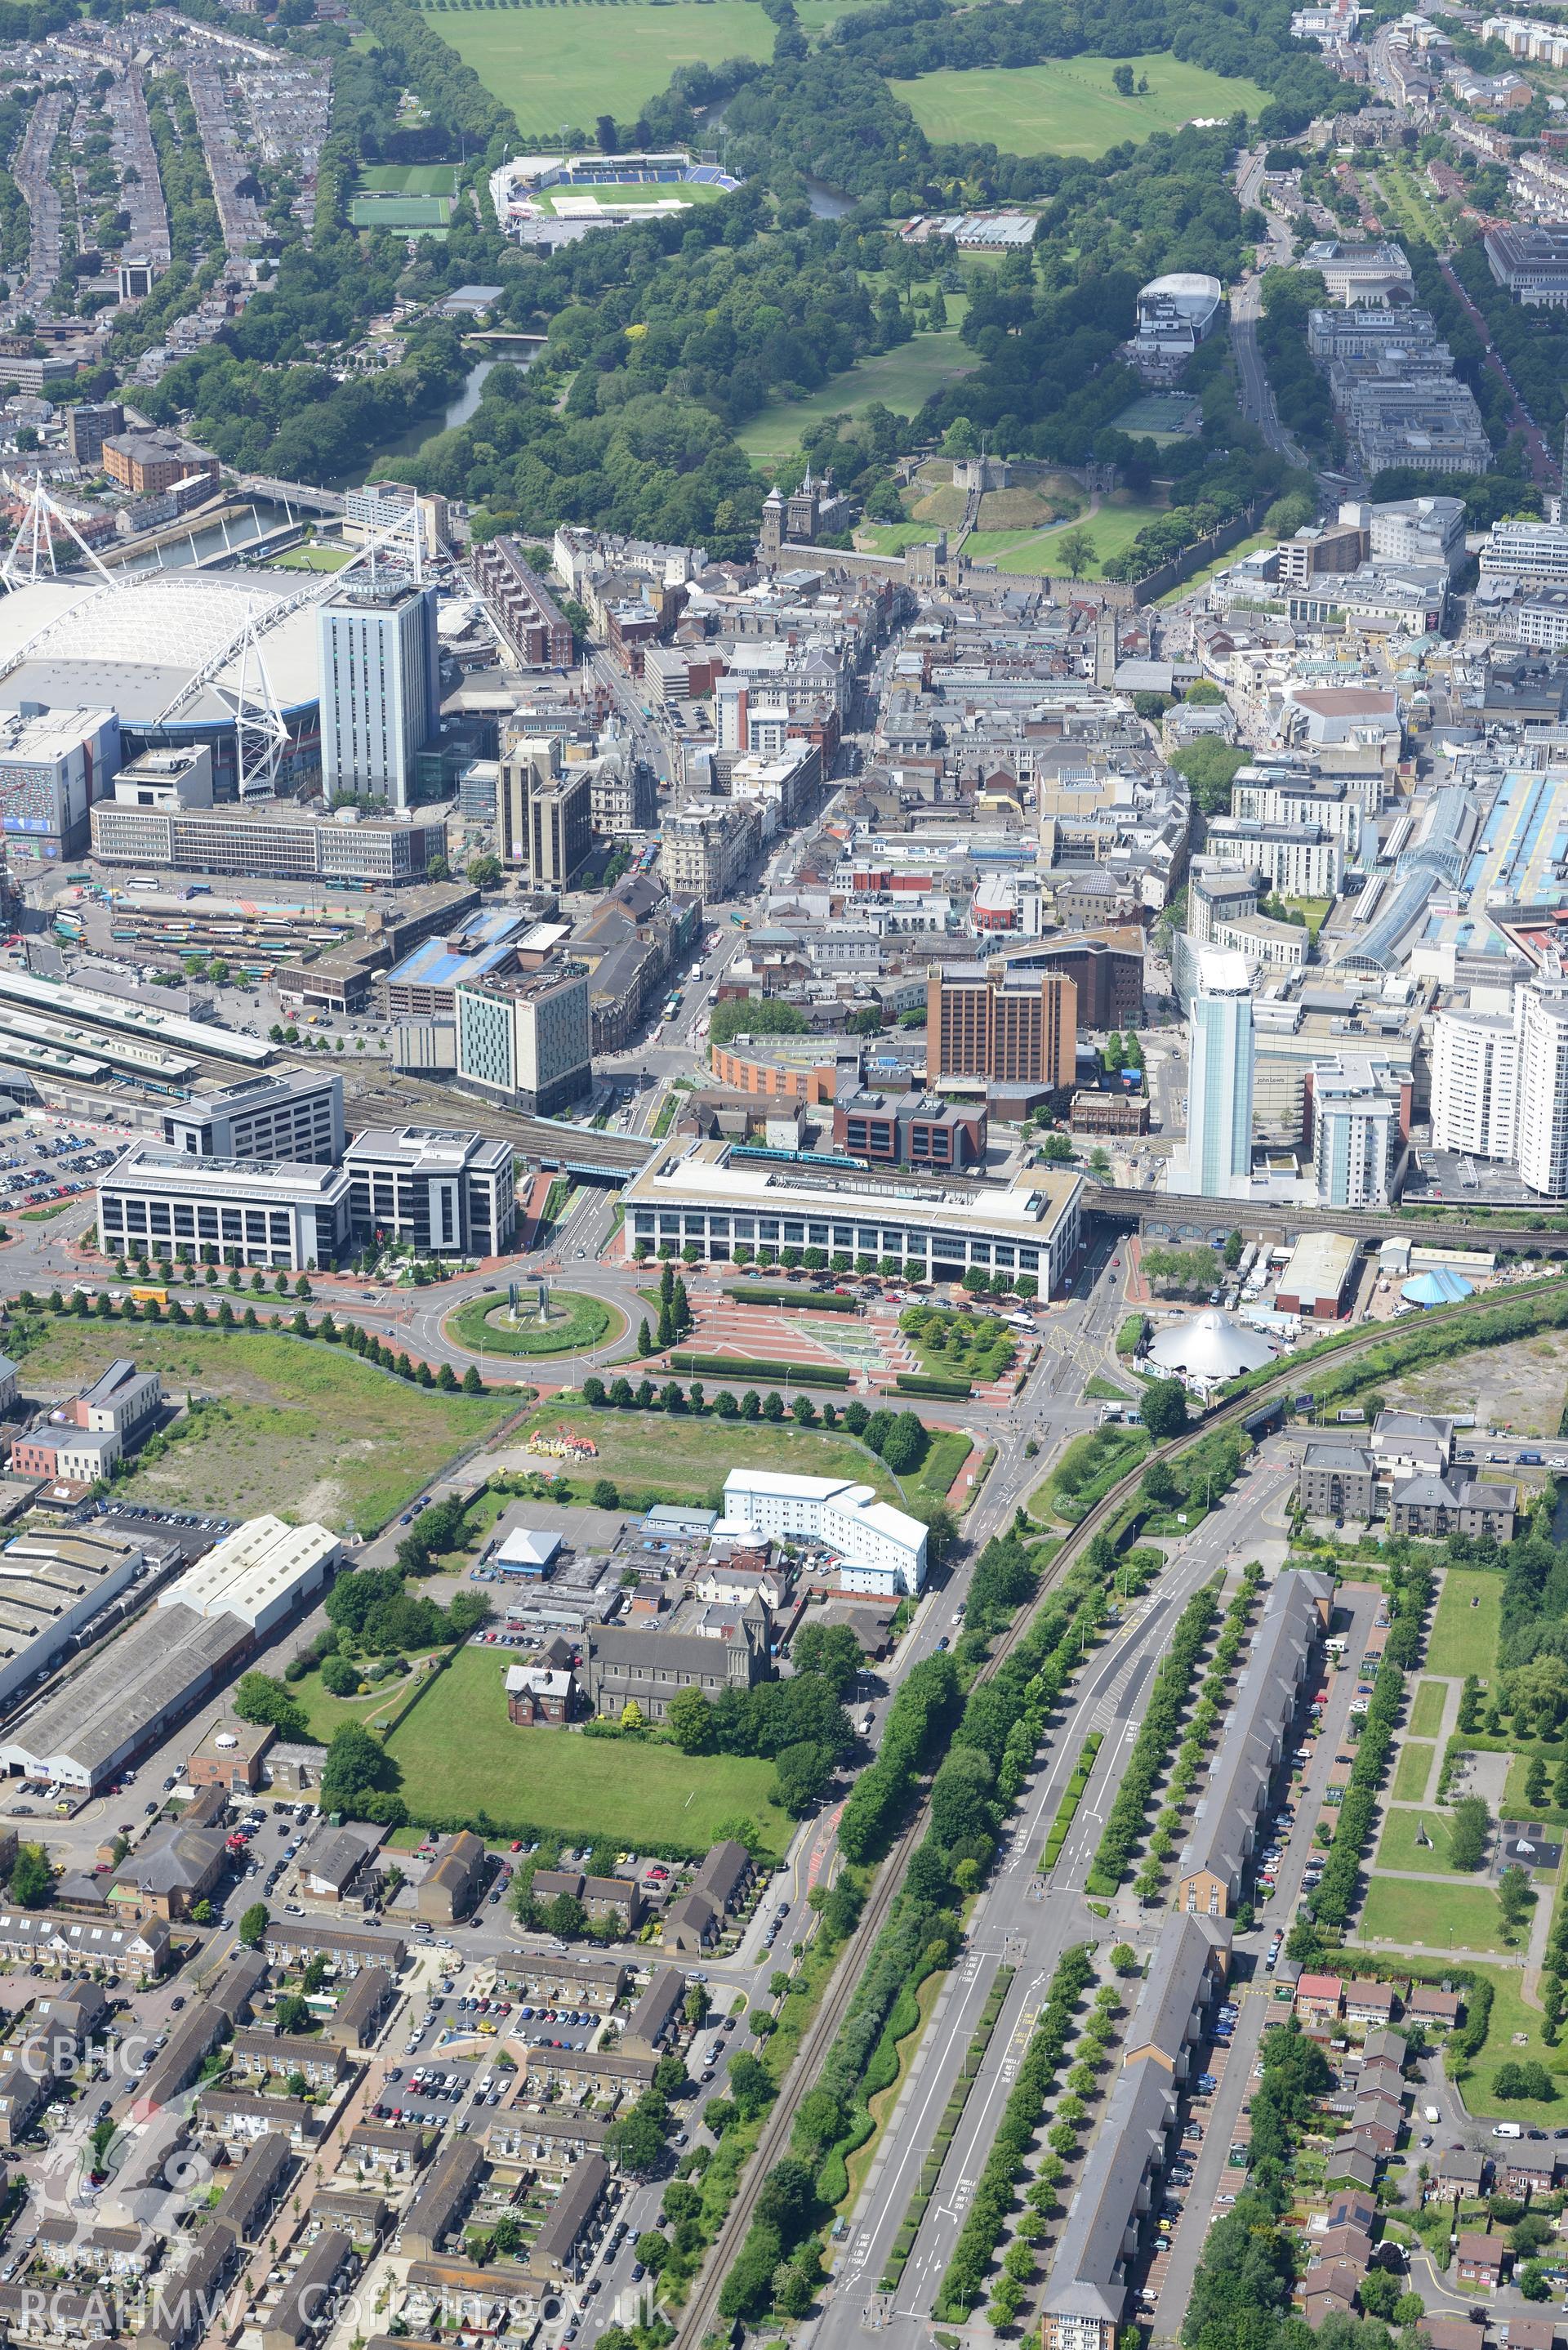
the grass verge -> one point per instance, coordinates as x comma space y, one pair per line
585, 1321
1465, 1631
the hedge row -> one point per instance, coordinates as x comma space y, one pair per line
961, 2287
947, 2129
1337, 1893
1169, 1695
1200, 1730
1067, 1809
800, 1300
923, 1706
738, 1367
925, 1383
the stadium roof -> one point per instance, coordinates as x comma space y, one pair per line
139, 642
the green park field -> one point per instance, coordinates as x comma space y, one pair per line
1427, 1713
1414, 1769
1034, 554
679, 1458
1431, 1917
559, 68
903, 379
1399, 1847
1514, 2035
1069, 107
307, 1430
1464, 1637
458, 1753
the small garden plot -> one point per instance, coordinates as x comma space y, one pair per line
955, 1345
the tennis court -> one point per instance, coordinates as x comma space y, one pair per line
378, 209
1161, 414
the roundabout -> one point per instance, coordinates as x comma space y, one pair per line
541, 1323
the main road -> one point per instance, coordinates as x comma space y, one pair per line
1026, 1920
1246, 308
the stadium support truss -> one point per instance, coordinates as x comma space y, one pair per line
143, 615
32, 551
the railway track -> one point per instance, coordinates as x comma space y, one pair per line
1447, 1227
700, 2315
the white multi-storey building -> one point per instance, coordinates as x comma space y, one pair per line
1542, 1014
1297, 860
933, 1227
245, 1211
878, 1549
294, 1114
381, 688
1475, 1083
1499, 1084
445, 1192
1534, 553
1313, 804
1357, 1141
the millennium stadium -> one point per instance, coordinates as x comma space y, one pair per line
175, 653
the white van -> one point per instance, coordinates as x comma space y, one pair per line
1507, 2129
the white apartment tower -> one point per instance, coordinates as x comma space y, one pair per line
1542, 1014
1499, 1084
1219, 1076
1475, 1087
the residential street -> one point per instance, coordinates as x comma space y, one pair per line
1223, 2121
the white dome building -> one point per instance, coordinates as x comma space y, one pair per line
1175, 314
1208, 1349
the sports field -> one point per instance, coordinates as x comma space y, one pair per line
559, 68
1161, 417
313, 559
1070, 107
459, 1753
399, 213
904, 379
644, 191
407, 179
